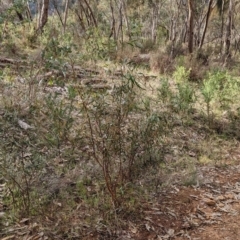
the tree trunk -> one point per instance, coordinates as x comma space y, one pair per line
20, 16
153, 26
80, 18
65, 15
113, 24
28, 12
120, 25
227, 41
43, 15
126, 19
91, 13
54, 2
39, 7
210, 8
222, 23
190, 25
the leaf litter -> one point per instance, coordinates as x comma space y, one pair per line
207, 209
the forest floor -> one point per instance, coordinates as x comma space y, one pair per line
202, 202
210, 211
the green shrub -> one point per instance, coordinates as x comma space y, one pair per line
165, 93
219, 89
181, 74
185, 96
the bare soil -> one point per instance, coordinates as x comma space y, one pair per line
209, 211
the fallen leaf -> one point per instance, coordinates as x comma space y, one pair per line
24, 125
134, 230
8, 237
147, 227
209, 202
220, 198
229, 196
24, 220
171, 232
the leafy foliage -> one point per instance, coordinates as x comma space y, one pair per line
88, 137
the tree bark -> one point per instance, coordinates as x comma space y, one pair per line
28, 12
80, 18
44, 15
91, 13
120, 25
113, 24
126, 19
20, 16
65, 15
210, 8
190, 25
54, 2
228, 35
39, 7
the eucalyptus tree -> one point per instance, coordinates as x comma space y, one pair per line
43, 6
84, 11
229, 26
190, 25
227, 7
210, 8
9, 9
65, 15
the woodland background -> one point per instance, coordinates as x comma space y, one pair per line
109, 110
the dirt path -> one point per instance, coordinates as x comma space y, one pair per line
209, 211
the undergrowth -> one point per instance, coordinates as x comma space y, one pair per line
91, 156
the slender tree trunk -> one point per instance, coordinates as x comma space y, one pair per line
190, 25
120, 26
222, 25
80, 18
228, 35
210, 8
58, 13
113, 25
153, 27
84, 10
44, 15
126, 19
91, 13
28, 12
65, 15
20, 16
39, 8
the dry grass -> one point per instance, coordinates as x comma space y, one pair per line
90, 160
